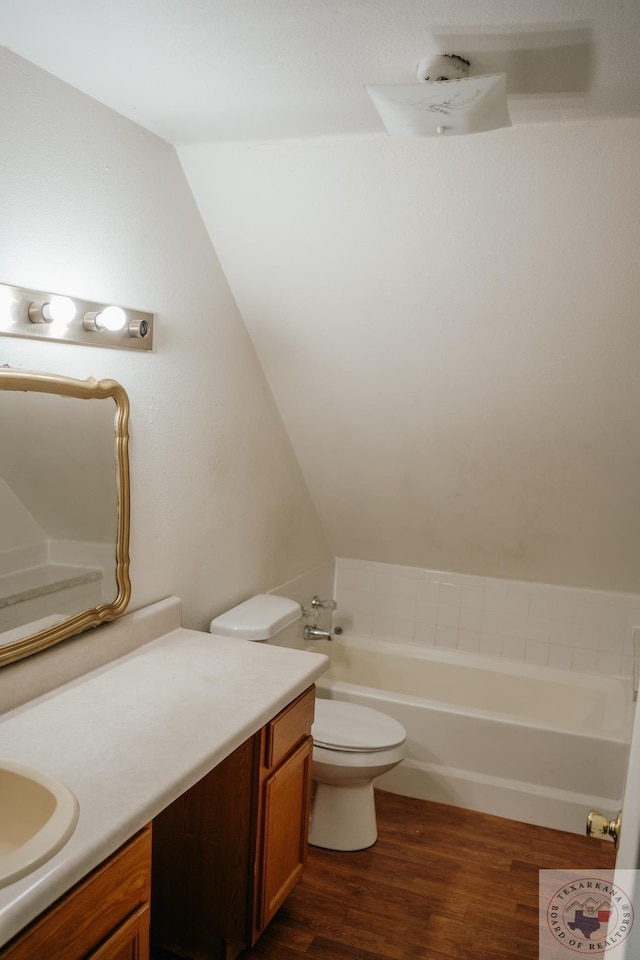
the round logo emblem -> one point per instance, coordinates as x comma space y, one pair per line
589, 915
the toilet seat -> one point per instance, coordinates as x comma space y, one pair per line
352, 728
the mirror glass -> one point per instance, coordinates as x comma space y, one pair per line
64, 502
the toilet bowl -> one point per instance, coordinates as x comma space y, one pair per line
352, 744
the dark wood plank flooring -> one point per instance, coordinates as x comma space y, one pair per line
441, 883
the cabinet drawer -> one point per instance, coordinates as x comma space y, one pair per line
129, 942
289, 728
90, 911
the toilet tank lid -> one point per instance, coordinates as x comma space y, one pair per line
259, 618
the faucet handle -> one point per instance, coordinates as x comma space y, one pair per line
319, 604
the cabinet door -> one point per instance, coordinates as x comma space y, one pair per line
129, 942
285, 827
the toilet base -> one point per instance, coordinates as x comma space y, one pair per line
343, 817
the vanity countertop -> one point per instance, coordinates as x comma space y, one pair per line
132, 736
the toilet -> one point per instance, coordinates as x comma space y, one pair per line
352, 744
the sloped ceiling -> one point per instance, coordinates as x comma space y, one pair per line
449, 328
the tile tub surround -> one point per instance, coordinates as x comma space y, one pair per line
589, 631
132, 736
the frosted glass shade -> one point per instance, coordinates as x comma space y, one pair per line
443, 107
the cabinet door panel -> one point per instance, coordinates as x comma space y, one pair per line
285, 811
129, 942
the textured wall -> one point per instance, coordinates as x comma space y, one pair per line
95, 206
450, 330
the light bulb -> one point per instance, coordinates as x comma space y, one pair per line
59, 310
111, 318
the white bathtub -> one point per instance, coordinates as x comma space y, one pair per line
530, 743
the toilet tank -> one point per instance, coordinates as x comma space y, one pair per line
263, 617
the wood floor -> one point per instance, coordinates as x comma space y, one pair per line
440, 884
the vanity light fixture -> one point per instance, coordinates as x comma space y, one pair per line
39, 315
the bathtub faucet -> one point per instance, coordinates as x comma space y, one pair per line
312, 633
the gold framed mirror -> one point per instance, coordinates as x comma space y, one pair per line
64, 500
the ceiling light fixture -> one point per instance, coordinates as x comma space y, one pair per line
45, 316
445, 101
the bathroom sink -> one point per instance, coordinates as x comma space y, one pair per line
38, 814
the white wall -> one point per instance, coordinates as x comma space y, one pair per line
450, 329
95, 206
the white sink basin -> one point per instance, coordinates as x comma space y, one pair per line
38, 814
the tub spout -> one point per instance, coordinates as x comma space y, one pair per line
312, 633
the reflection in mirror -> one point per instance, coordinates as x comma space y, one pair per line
64, 502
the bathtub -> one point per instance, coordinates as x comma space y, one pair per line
530, 743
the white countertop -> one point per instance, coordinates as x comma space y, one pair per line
132, 736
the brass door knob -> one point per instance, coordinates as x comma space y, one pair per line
600, 826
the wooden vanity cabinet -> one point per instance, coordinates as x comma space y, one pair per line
104, 917
214, 869
284, 795
228, 852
